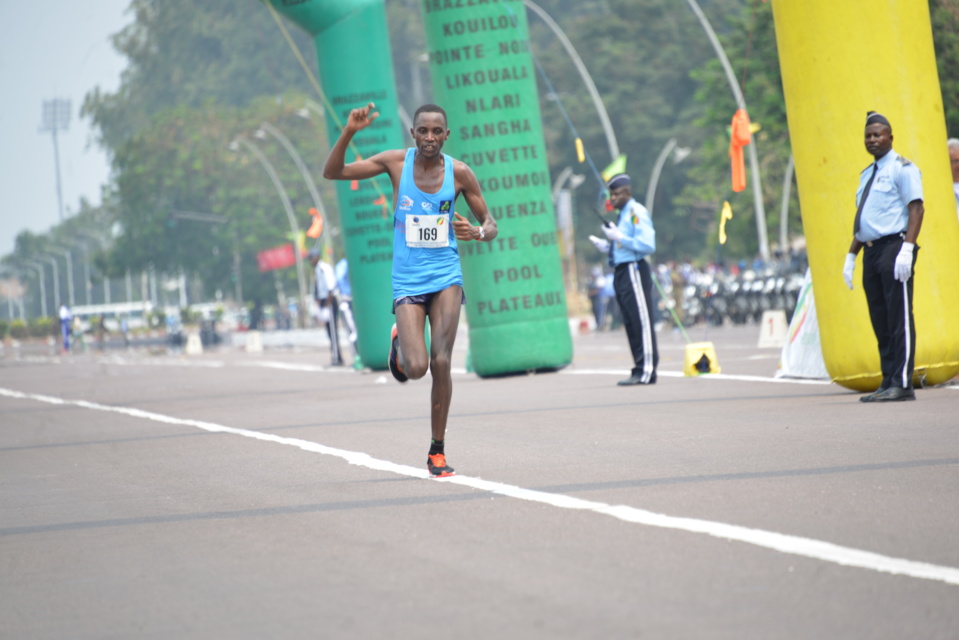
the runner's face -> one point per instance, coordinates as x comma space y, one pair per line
429, 133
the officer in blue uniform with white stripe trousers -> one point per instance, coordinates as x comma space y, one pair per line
888, 218
628, 243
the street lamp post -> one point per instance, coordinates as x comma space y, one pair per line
69, 259
304, 171
288, 207
87, 286
741, 103
106, 280
15, 297
43, 289
584, 74
680, 155
56, 277
784, 208
563, 202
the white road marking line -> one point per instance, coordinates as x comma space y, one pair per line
287, 366
795, 545
707, 376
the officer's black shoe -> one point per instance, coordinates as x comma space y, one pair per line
892, 394
631, 380
868, 397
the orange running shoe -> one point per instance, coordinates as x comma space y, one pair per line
436, 463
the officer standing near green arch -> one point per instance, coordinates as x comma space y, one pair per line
627, 243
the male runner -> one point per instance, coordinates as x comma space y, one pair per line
427, 277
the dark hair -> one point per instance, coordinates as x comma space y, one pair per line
430, 108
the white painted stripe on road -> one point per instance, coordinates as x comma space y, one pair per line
705, 376
795, 545
275, 364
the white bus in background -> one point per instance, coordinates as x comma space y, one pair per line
135, 312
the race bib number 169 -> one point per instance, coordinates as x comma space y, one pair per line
427, 232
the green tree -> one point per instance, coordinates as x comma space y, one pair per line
198, 76
183, 53
945, 34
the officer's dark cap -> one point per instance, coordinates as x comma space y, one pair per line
877, 118
617, 181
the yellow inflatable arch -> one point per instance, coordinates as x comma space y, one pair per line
840, 60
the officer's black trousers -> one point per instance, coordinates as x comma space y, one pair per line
634, 286
890, 309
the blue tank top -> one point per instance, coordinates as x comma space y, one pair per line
417, 270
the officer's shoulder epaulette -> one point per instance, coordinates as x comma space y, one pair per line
903, 161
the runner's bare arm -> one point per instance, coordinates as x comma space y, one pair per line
336, 167
468, 186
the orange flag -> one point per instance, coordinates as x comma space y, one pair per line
317, 227
740, 136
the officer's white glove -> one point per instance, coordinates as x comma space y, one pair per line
903, 269
849, 268
612, 232
599, 243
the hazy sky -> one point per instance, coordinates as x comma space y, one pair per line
51, 49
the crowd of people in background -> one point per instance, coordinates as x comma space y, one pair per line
735, 293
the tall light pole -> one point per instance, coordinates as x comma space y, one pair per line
87, 286
304, 171
288, 207
56, 117
680, 155
741, 103
106, 280
584, 74
13, 290
69, 259
43, 288
784, 208
56, 277
563, 202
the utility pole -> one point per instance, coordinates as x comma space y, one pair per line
56, 117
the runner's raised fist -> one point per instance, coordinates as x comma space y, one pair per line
362, 118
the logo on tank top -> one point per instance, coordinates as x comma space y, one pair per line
406, 203
446, 206
427, 206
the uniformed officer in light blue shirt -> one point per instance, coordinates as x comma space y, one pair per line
889, 211
627, 243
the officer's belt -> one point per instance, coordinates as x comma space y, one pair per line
885, 239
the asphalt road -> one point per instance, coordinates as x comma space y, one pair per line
235, 495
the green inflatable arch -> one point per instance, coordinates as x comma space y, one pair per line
516, 305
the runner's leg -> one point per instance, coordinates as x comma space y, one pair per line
410, 324
444, 320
